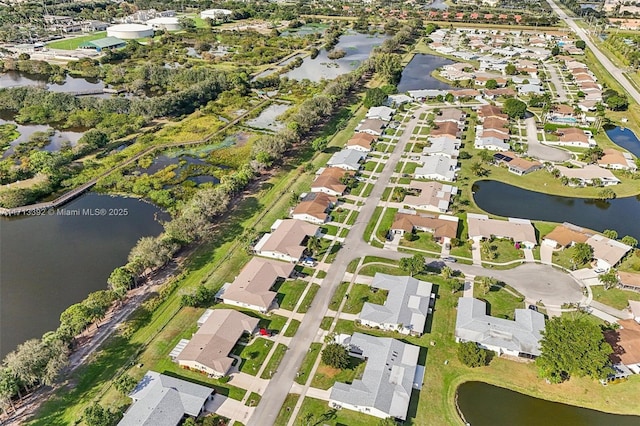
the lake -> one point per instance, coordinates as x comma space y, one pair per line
267, 120
620, 214
417, 74
483, 404
624, 138
71, 84
358, 48
51, 262
56, 140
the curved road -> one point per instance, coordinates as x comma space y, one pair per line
616, 72
534, 281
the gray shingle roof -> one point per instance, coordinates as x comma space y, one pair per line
522, 335
388, 377
161, 400
407, 302
348, 157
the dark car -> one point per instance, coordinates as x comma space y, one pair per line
533, 308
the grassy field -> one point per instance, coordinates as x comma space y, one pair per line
326, 375
75, 42
500, 302
308, 298
504, 249
338, 295
614, 297
274, 361
361, 293
253, 355
292, 328
317, 412
289, 293
307, 363
424, 242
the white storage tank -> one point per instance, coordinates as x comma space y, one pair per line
216, 14
167, 23
130, 31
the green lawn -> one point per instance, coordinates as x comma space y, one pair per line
307, 363
289, 293
371, 270
253, 400
500, 302
338, 295
253, 355
292, 328
564, 259
325, 324
287, 409
308, 298
385, 223
425, 241
329, 229
361, 293
504, 249
631, 262
317, 412
326, 375
339, 215
372, 223
74, 43
614, 297
274, 361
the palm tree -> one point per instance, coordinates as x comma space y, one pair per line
314, 245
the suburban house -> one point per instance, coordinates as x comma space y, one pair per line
444, 146
617, 160
373, 126
406, 308
433, 196
496, 125
630, 281
361, 142
421, 95
490, 143
208, 349
587, 174
347, 159
487, 111
607, 252
566, 235
383, 113
519, 338
253, 287
453, 115
515, 164
329, 181
390, 375
572, 136
495, 93
446, 128
625, 342
286, 241
443, 227
314, 208
399, 99
530, 89
437, 167
161, 400
518, 230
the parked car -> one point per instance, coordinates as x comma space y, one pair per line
309, 262
533, 308
599, 271
450, 259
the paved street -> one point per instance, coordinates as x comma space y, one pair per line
616, 72
542, 152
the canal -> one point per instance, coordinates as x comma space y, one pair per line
510, 201
48, 263
483, 404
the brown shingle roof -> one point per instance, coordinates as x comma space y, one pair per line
629, 279
362, 139
446, 128
315, 204
253, 284
625, 342
565, 236
330, 179
439, 227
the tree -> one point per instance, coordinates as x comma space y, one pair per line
629, 240
471, 355
125, 383
607, 194
582, 253
555, 50
580, 44
610, 233
374, 97
96, 415
446, 272
609, 279
314, 245
491, 84
319, 144
389, 421
336, 356
514, 108
478, 169
120, 281
485, 283
413, 265
573, 347
617, 103
510, 69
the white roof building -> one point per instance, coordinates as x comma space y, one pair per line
389, 377
437, 167
347, 159
491, 143
381, 113
516, 338
607, 252
518, 230
434, 196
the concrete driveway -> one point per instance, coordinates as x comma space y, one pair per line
538, 150
229, 408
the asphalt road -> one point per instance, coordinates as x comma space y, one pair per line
617, 73
540, 151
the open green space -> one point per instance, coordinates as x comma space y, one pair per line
274, 361
361, 293
253, 355
565, 258
501, 302
307, 363
500, 251
326, 375
75, 42
424, 241
614, 297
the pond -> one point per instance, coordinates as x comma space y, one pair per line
56, 140
71, 84
267, 119
437, 4
483, 404
624, 138
358, 47
417, 74
52, 262
501, 199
